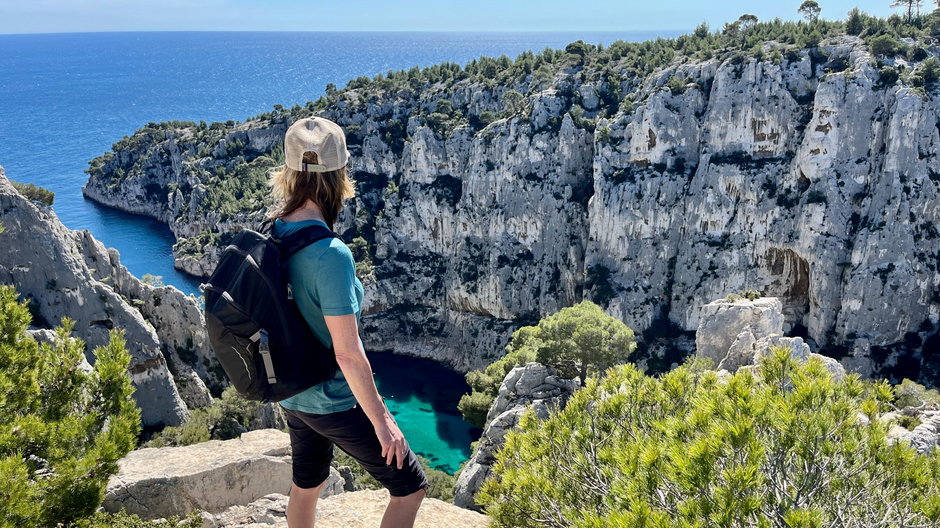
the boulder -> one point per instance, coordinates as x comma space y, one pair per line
357, 509
532, 386
210, 476
723, 322
755, 326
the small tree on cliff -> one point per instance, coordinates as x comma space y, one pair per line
786, 445
62, 430
582, 338
575, 341
911, 6
810, 10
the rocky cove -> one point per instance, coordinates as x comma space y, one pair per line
493, 195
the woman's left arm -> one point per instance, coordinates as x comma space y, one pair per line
352, 360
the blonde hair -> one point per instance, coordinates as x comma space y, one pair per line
292, 188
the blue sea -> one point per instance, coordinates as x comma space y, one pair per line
66, 98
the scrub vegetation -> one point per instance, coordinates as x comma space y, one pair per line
62, 427
785, 445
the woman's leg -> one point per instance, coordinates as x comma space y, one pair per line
352, 432
401, 511
311, 454
302, 506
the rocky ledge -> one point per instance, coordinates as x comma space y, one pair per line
355, 509
242, 483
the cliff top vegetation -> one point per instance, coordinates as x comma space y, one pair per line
221, 168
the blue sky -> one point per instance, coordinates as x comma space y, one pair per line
53, 16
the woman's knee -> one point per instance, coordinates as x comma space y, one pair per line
306, 492
417, 496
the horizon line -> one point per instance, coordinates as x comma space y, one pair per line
349, 31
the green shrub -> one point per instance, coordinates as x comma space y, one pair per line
781, 446
885, 46
62, 430
576, 341
227, 418
887, 76
126, 520
362, 256
153, 280
677, 84
34, 193
908, 422
475, 406
911, 394
582, 339
930, 71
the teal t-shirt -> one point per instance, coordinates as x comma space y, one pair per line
323, 280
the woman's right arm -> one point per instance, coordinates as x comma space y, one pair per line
352, 360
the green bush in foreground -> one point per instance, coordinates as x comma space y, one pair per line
784, 447
125, 520
62, 430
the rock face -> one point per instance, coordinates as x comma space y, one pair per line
64, 273
726, 326
737, 334
531, 386
358, 509
804, 177
210, 476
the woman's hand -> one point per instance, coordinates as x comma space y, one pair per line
394, 445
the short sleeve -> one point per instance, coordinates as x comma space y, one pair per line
336, 281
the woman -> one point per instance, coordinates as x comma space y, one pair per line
347, 409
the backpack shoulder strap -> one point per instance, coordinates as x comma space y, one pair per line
266, 227
302, 238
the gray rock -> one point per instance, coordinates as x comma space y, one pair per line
740, 353
268, 416
925, 438
799, 350
47, 263
358, 509
755, 323
531, 386
813, 187
722, 321
210, 476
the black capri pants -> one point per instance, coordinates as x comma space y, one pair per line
312, 437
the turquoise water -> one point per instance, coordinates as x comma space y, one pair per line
422, 395
67, 98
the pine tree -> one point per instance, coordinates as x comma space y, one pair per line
62, 429
781, 445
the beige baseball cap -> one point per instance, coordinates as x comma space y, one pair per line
315, 134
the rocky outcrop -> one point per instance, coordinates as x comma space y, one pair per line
924, 437
358, 509
737, 334
210, 476
531, 386
726, 326
800, 174
64, 273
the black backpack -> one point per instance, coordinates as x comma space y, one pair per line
265, 346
